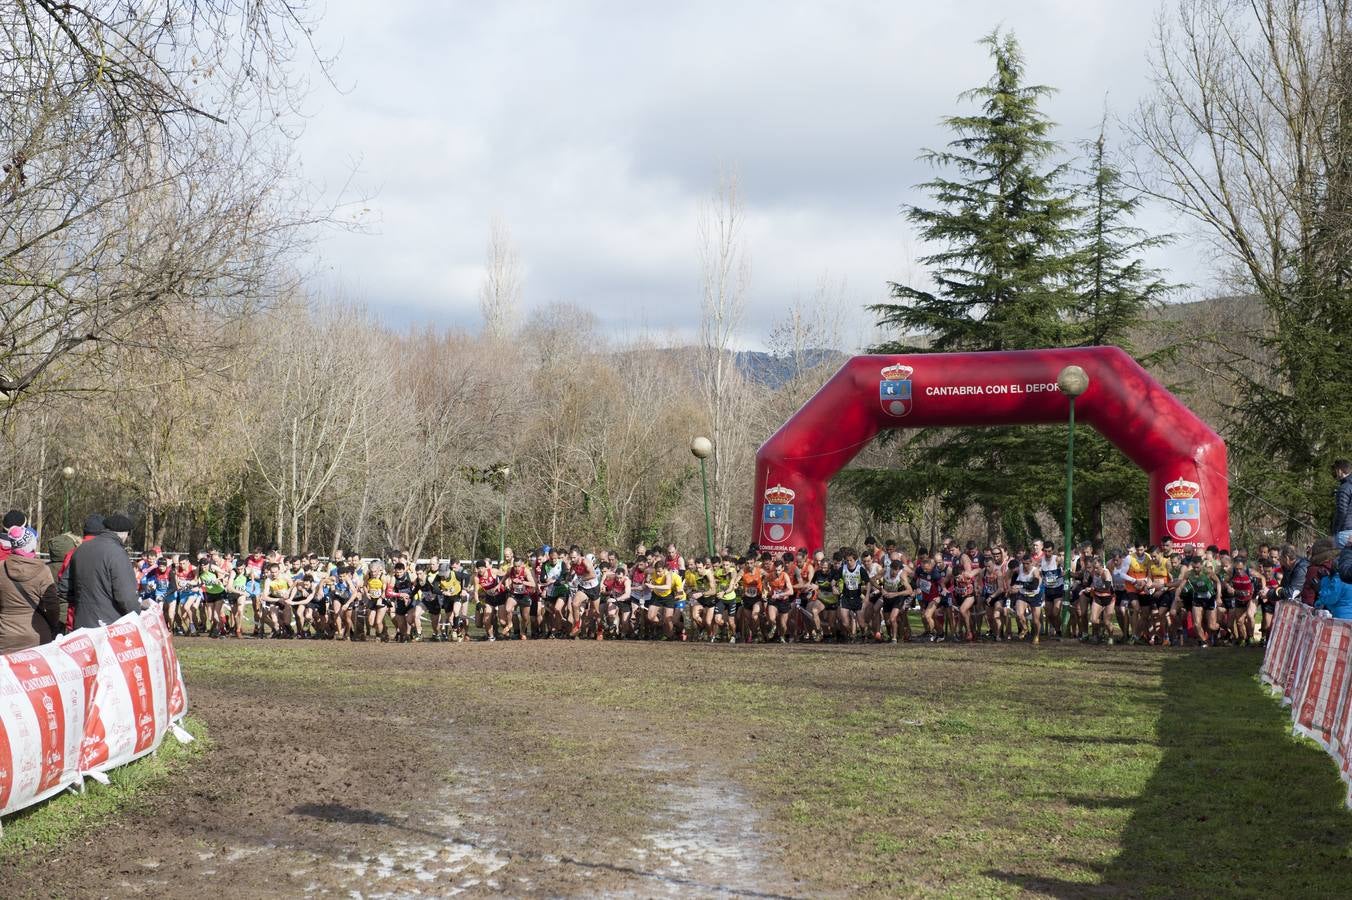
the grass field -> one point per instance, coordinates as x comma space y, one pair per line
659, 769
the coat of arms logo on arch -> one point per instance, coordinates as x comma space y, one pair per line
777, 514
1182, 509
894, 390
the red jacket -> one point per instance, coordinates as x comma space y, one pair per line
1309, 591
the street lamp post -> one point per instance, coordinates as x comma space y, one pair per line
67, 472
1073, 381
503, 473
703, 448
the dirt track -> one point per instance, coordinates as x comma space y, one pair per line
648, 770
374, 771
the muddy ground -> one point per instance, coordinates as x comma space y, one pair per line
649, 770
425, 770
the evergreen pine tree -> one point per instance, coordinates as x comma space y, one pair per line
1114, 290
1005, 225
1023, 263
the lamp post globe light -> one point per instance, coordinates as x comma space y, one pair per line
1073, 381
703, 448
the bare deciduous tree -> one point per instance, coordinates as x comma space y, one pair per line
1244, 125
500, 294
725, 276
313, 418
139, 170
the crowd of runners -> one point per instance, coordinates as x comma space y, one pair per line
1159, 595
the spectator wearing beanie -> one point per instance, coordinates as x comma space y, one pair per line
12, 518
29, 611
100, 581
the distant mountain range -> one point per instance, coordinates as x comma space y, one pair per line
773, 371
1238, 320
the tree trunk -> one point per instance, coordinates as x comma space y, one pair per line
337, 538
361, 518
245, 527
1096, 515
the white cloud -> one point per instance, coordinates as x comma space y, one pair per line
595, 128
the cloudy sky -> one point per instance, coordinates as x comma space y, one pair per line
594, 129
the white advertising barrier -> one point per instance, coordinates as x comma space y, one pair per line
1279, 643
1316, 708
1298, 658
41, 725
89, 702
1309, 662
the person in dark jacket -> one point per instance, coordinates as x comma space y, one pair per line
100, 580
29, 613
1341, 529
93, 525
1294, 567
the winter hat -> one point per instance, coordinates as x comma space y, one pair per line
20, 541
93, 524
117, 522
14, 517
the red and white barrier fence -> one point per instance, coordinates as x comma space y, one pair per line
88, 702
1309, 662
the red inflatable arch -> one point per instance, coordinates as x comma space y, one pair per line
1185, 459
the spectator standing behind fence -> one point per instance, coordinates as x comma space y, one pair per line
1341, 529
99, 579
29, 612
93, 525
12, 518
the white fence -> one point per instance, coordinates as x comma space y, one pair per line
88, 702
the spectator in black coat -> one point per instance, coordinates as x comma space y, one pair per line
100, 581
1341, 529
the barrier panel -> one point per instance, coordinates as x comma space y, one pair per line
88, 702
1273, 670
1308, 662
1316, 708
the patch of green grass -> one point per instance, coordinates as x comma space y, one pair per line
918, 771
68, 815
